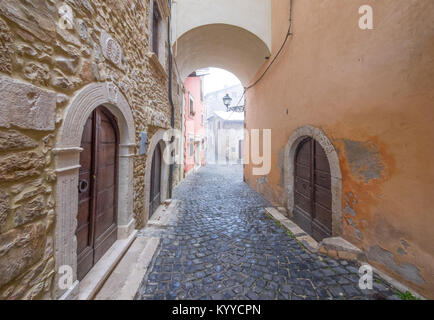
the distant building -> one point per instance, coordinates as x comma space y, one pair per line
214, 100
224, 130
194, 123
225, 136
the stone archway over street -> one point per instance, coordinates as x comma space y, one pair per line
231, 40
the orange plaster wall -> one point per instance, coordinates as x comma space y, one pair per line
370, 88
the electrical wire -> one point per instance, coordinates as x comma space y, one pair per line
288, 34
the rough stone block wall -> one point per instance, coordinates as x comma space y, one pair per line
42, 66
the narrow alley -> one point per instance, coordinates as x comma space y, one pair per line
216, 150
223, 246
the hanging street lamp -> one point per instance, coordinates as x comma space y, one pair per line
227, 100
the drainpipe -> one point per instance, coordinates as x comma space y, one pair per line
172, 106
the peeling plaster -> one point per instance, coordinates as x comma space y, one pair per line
262, 180
352, 200
408, 271
401, 251
349, 210
356, 230
364, 160
405, 244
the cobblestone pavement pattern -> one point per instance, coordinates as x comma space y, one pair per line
223, 246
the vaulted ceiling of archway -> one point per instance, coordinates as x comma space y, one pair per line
223, 46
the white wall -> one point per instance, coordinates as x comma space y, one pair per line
252, 15
228, 34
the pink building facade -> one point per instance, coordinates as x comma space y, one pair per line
194, 124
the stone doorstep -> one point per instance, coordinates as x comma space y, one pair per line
283, 211
164, 214
306, 240
335, 247
97, 276
124, 282
338, 247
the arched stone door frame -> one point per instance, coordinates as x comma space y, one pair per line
67, 164
335, 171
159, 138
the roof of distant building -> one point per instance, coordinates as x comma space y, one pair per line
229, 116
238, 86
199, 73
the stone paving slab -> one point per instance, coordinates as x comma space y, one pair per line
223, 246
123, 283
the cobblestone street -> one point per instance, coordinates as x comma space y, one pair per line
223, 246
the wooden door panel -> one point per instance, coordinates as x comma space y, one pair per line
88, 130
85, 178
83, 233
107, 134
321, 160
105, 241
106, 177
304, 153
155, 197
303, 177
318, 231
106, 199
105, 228
322, 179
303, 202
83, 216
84, 262
319, 151
302, 171
322, 222
323, 216
312, 190
303, 159
303, 187
303, 220
97, 227
321, 164
106, 154
104, 220
86, 158
83, 237
323, 197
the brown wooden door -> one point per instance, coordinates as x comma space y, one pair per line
312, 190
97, 197
155, 196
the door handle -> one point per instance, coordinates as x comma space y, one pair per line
83, 186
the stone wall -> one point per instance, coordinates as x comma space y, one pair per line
42, 66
